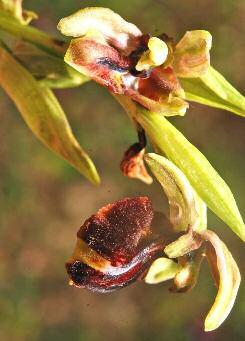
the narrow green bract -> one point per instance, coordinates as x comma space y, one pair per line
206, 181
186, 210
43, 114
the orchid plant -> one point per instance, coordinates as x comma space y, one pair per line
152, 77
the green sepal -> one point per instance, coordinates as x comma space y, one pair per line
214, 90
191, 54
228, 279
43, 114
186, 210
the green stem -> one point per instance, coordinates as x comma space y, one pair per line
41, 39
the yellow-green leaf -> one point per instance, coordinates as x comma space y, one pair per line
50, 70
43, 114
186, 210
214, 90
162, 269
229, 281
28, 33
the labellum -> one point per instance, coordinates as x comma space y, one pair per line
114, 247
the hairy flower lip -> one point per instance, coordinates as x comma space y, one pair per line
112, 250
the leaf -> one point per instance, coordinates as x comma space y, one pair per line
166, 139
162, 269
214, 90
50, 70
43, 114
229, 281
185, 209
191, 55
31, 34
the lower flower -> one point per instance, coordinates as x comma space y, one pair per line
117, 245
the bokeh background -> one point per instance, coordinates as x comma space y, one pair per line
43, 201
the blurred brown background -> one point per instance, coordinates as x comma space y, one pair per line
43, 201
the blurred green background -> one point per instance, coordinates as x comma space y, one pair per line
43, 201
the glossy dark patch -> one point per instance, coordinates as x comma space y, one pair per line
85, 276
112, 65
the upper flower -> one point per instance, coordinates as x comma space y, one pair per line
116, 54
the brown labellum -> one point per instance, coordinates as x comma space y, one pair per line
112, 248
132, 164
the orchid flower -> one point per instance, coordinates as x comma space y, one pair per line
117, 55
144, 73
118, 245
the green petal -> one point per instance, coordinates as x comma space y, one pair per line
43, 114
166, 139
162, 269
191, 55
183, 245
185, 209
229, 281
214, 90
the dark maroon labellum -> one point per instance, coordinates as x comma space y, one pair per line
116, 234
